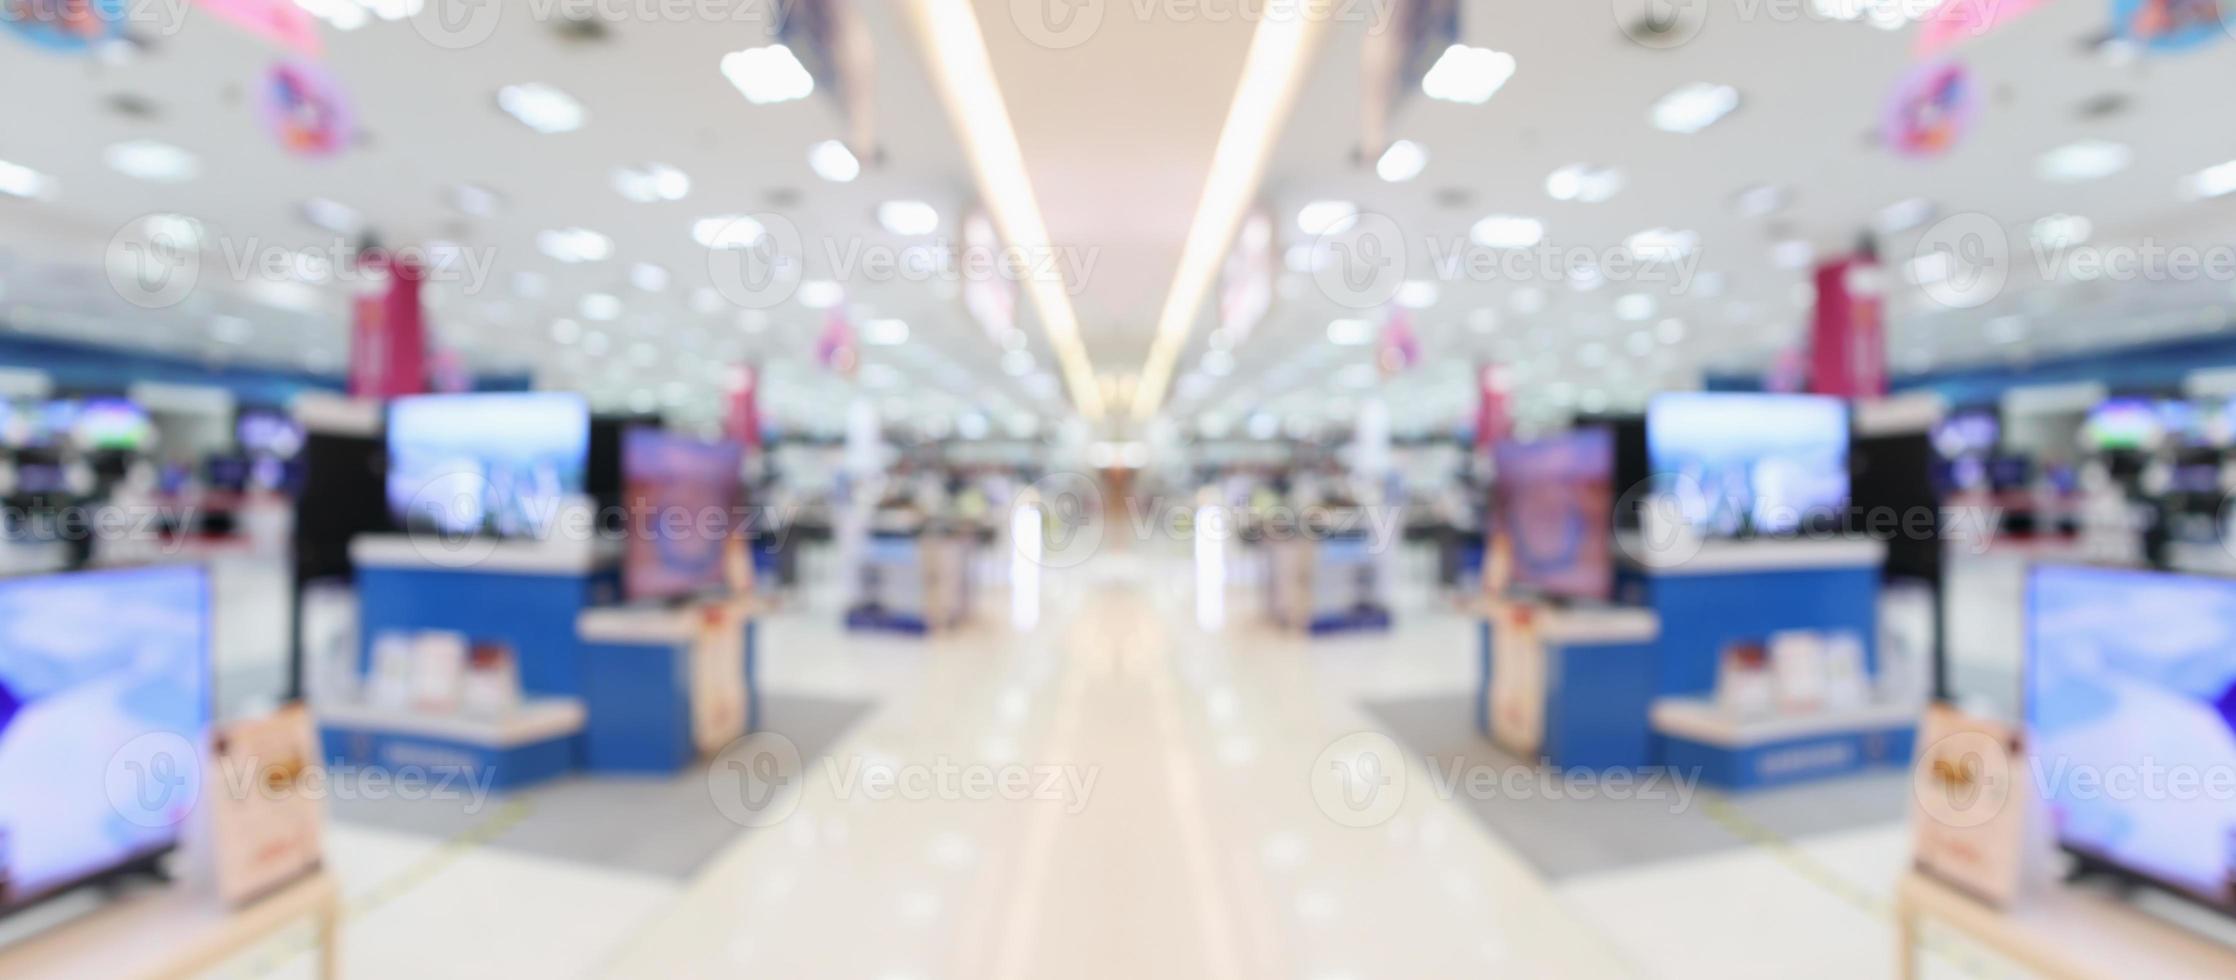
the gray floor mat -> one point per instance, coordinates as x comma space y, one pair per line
662, 826
1564, 837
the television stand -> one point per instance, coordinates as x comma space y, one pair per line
180, 931
2060, 932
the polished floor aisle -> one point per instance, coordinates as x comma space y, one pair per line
1117, 791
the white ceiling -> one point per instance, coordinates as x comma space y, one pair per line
653, 92
1812, 94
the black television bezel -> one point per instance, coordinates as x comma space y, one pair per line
145, 860
2092, 861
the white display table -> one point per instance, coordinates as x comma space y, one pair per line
180, 931
1701, 720
2060, 932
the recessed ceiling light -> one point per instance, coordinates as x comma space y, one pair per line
1793, 254
2060, 231
152, 160
1483, 320
1017, 363
726, 231
821, 294
542, 108
1527, 300
885, 332
2214, 181
572, 245
1507, 231
1903, 215
1583, 183
1350, 332
1467, 75
565, 331
530, 285
17, 180
908, 217
1417, 294
648, 277
1403, 161
832, 161
2083, 160
475, 200
651, 183
1662, 244
599, 306
1635, 307
1326, 217
1692, 108
334, 216
1670, 331
768, 75
1218, 363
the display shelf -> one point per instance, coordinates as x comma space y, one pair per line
1739, 753
2060, 932
666, 685
558, 556
1760, 555
1700, 720
536, 720
175, 932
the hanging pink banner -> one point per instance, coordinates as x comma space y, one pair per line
388, 332
1847, 339
744, 423
1492, 422
279, 21
1930, 110
1959, 21
305, 109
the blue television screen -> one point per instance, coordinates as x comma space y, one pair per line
104, 705
1749, 464
2131, 696
499, 464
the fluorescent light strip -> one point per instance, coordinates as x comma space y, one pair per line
956, 53
1271, 75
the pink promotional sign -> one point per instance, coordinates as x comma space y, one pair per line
1492, 423
306, 111
743, 426
278, 21
1931, 109
1847, 339
388, 332
1959, 21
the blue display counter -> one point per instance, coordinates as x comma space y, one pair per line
529, 745
1735, 753
666, 686
1569, 686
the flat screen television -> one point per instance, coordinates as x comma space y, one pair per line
1968, 432
1744, 464
266, 433
489, 464
1556, 510
104, 685
682, 496
112, 425
2123, 425
2131, 673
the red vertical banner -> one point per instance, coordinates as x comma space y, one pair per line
1847, 338
1492, 423
388, 330
744, 424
